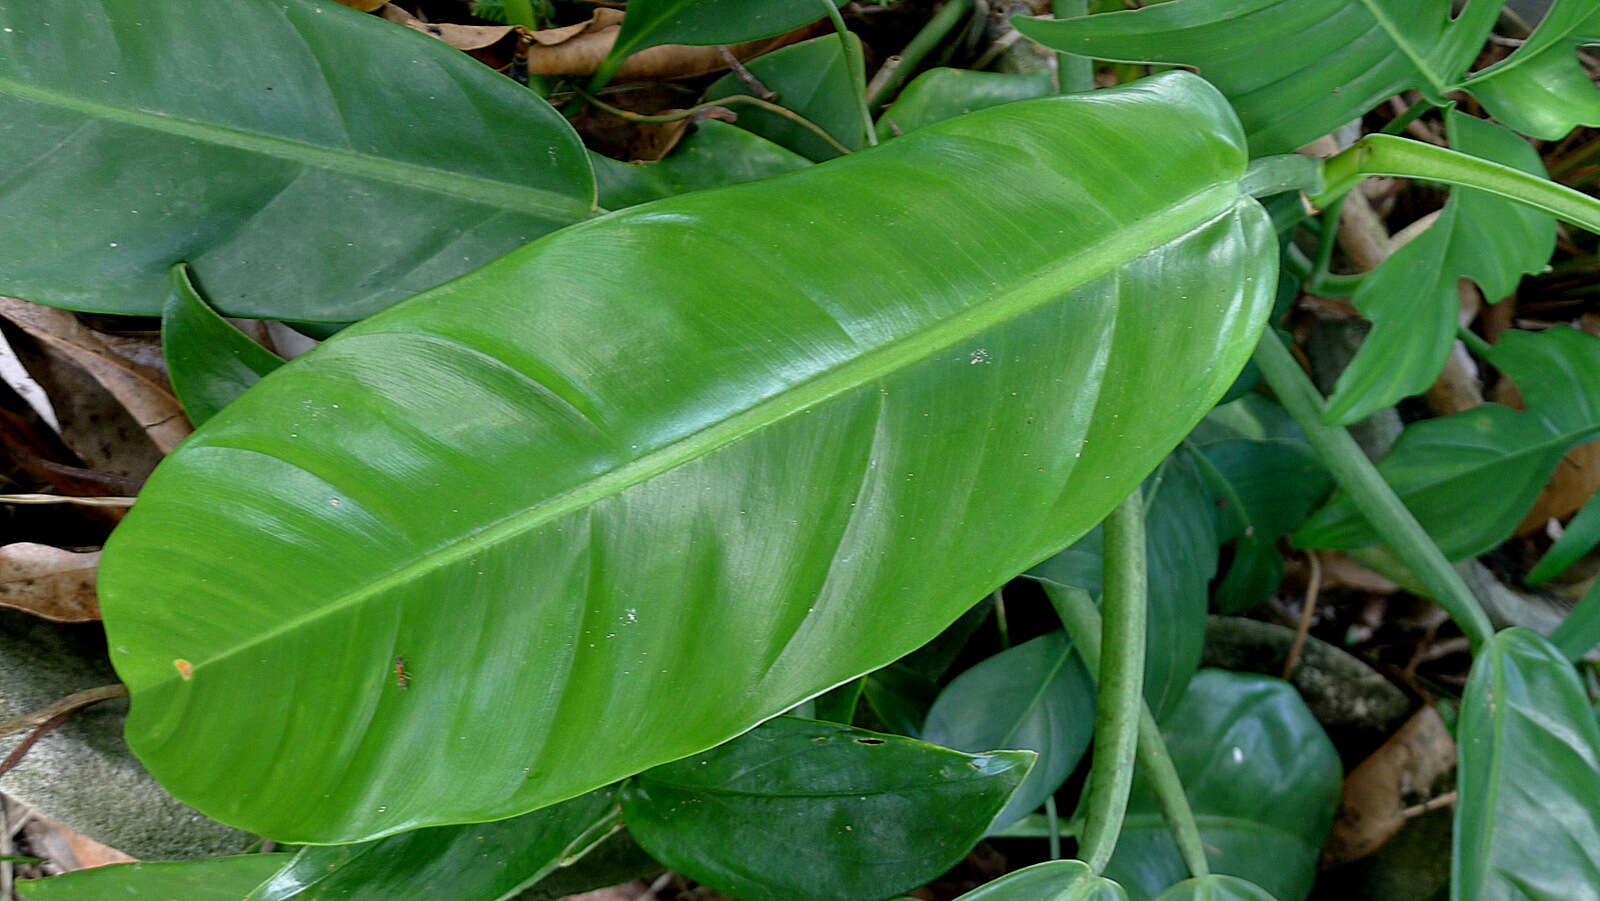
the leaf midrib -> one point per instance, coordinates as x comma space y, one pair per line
1095, 261
1375, 9
491, 192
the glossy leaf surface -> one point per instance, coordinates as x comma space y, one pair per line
800, 809
1527, 825
210, 362
1055, 880
716, 155
679, 468
1215, 888
1412, 298
1541, 89
218, 879
309, 162
472, 862
1293, 69
811, 78
1263, 780
1441, 467
1036, 696
1181, 547
651, 23
945, 93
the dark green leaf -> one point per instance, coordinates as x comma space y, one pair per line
1181, 548
716, 154
650, 23
218, 879
472, 862
1541, 89
309, 162
1036, 696
812, 79
1215, 888
1527, 825
678, 468
839, 704
1263, 780
1055, 880
1580, 631
1440, 467
1580, 537
210, 362
798, 809
1412, 298
940, 94
1293, 69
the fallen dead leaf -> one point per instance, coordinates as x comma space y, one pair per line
461, 37
142, 390
578, 50
49, 582
365, 6
67, 849
1404, 772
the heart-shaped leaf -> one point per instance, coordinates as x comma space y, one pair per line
1215, 888
1055, 880
680, 468
1526, 825
310, 162
798, 809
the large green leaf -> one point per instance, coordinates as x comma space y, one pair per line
1527, 823
797, 809
715, 155
217, 879
1412, 298
1036, 696
812, 79
475, 862
1181, 547
1470, 477
650, 23
309, 162
680, 468
1263, 780
1055, 880
1294, 69
1541, 89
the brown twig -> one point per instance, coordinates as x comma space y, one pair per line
1313, 587
746, 77
1443, 800
68, 705
65, 499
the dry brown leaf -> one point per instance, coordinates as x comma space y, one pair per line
142, 390
365, 6
578, 50
461, 37
68, 849
49, 582
1405, 771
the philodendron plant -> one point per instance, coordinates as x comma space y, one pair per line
547, 540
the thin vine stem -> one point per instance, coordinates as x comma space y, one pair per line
856, 69
699, 108
1082, 621
1369, 492
1121, 682
921, 44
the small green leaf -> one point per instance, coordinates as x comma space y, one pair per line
210, 362
1055, 880
1293, 69
1580, 631
1541, 89
217, 879
799, 809
944, 93
811, 79
1580, 537
1036, 696
1527, 825
1263, 780
650, 23
1439, 467
1215, 888
716, 154
1412, 299
471, 862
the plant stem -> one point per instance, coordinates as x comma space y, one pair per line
1369, 492
1116, 719
1055, 826
856, 68
1074, 73
1082, 621
520, 12
1388, 155
1412, 114
1474, 343
699, 108
1327, 237
922, 43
